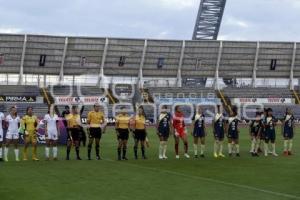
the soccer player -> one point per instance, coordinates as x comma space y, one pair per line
270, 132
122, 130
256, 127
51, 132
2, 118
288, 132
199, 132
29, 123
219, 130
12, 135
139, 132
163, 131
180, 132
74, 123
233, 133
96, 124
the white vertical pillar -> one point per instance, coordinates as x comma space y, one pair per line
104, 54
179, 75
61, 73
21, 74
216, 81
140, 79
255, 65
293, 66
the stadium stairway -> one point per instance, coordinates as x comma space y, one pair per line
296, 95
225, 101
48, 99
110, 96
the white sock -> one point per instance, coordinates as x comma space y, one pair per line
17, 154
202, 149
195, 149
160, 149
1, 149
273, 148
47, 150
229, 148
285, 145
165, 149
221, 148
216, 145
237, 146
6, 153
257, 146
253, 143
266, 148
54, 149
291, 145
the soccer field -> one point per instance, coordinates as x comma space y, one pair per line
227, 178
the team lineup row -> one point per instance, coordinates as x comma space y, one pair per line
262, 131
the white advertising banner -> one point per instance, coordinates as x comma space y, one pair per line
76, 100
263, 101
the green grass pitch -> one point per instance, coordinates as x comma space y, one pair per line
214, 179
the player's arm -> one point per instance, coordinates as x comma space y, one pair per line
104, 124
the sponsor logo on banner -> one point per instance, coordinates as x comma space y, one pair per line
76, 100
27, 99
263, 101
187, 100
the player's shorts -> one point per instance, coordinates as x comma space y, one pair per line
140, 135
12, 135
199, 133
180, 134
95, 133
288, 133
123, 134
233, 135
164, 133
270, 135
1, 136
219, 135
263, 135
30, 138
52, 135
74, 132
254, 134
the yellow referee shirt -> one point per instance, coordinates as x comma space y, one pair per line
140, 122
95, 119
73, 120
122, 121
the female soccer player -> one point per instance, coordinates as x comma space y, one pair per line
199, 132
122, 129
29, 123
163, 131
219, 130
256, 127
233, 133
270, 132
51, 133
2, 118
12, 135
180, 132
139, 132
288, 132
96, 123
74, 123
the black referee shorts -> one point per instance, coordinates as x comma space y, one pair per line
95, 133
123, 134
140, 135
74, 132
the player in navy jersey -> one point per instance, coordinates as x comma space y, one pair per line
218, 129
288, 132
163, 131
270, 132
199, 132
263, 130
256, 127
233, 133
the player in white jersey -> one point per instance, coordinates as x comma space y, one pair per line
12, 135
51, 133
2, 118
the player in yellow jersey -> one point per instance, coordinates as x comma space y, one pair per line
139, 130
96, 124
74, 123
122, 129
29, 123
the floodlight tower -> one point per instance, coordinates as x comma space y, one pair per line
209, 19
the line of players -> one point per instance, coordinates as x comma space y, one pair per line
262, 131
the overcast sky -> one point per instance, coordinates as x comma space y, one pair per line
163, 19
